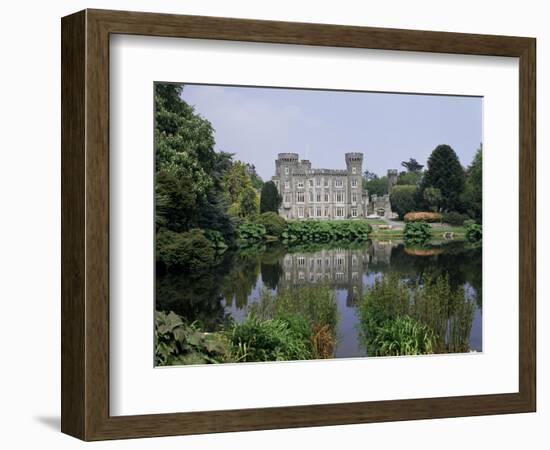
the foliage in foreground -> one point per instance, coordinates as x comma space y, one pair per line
179, 343
288, 326
403, 336
423, 318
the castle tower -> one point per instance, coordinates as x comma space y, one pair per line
354, 163
392, 179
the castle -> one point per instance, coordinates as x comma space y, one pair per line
327, 193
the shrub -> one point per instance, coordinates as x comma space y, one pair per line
251, 232
188, 251
216, 241
320, 231
270, 340
403, 199
427, 317
313, 305
468, 222
274, 224
455, 218
474, 233
179, 343
423, 216
402, 336
417, 233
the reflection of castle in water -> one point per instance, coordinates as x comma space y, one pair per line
337, 268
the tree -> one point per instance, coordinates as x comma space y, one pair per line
270, 199
376, 185
433, 198
188, 191
235, 180
409, 178
446, 174
257, 181
474, 186
412, 165
367, 175
403, 200
248, 202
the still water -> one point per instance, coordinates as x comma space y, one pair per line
214, 298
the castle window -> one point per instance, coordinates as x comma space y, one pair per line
300, 198
338, 183
339, 197
300, 184
311, 196
318, 212
353, 212
318, 197
310, 183
354, 170
300, 212
287, 184
327, 183
318, 182
286, 170
339, 212
354, 198
326, 197
354, 182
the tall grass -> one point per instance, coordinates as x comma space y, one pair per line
427, 317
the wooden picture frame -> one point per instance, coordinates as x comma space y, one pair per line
85, 224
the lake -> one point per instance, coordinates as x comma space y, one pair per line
214, 299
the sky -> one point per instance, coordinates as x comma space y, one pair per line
258, 123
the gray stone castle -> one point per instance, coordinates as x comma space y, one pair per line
326, 193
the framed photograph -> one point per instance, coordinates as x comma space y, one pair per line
272, 225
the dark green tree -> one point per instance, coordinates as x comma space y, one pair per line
403, 199
474, 185
412, 165
188, 191
376, 185
270, 199
446, 174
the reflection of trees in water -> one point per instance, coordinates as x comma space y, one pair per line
196, 298
200, 297
462, 264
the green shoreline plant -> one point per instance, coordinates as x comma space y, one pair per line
290, 325
400, 318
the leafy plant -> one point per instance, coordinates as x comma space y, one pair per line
322, 231
251, 232
216, 241
179, 343
416, 233
274, 224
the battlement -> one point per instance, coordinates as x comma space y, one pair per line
354, 157
288, 157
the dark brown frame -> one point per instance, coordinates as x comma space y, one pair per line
85, 224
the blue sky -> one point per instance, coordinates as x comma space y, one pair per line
257, 123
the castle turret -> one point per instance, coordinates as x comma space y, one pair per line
354, 163
392, 179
